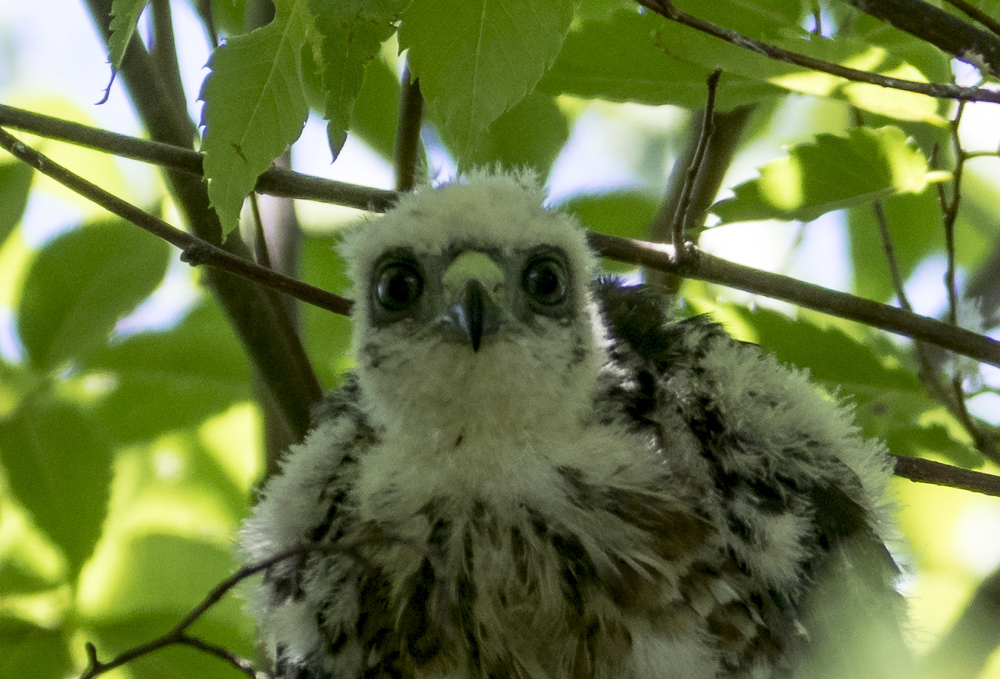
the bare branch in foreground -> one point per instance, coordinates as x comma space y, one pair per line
195, 251
667, 9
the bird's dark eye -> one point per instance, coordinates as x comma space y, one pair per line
398, 285
545, 280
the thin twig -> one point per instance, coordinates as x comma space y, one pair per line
667, 9
920, 470
411, 109
178, 634
274, 181
703, 266
195, 250
683, 217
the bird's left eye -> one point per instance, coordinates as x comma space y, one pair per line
545, 280
398, 286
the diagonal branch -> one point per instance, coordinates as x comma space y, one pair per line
661, 257
937, 27
667, 9
195, 251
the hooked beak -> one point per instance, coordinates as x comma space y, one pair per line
470, 283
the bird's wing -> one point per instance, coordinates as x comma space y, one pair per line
303, 601
794, 488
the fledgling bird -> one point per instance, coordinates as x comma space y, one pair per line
530, 474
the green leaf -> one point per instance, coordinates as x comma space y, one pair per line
376, 110
15, 183
350, 35
593, 64
58, 466
173, 379
529, 135
914, 222
255, 106
327, 335
890, 403
477, 58
760, 20
626, 214
81, 284
688, 44
124, 16
829, 174
30, 651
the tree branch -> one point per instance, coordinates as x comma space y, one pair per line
976, 14
275, 181
937, 27
703, 266
411, 110
667, 9
195, 251
685, 213
660, 257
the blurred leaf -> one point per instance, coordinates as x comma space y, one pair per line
229, 16
688, 44
145, 574
254, 106
593, 65
830, 354
376, 110
124, 16
830, 174
890, 403
934, 64
172, 379
625, 214
350, 35
29, 651
529, 135
81, 284
477, 58
914, 222
58, 466
327, 335
759, 20
28, 562
144, 584
15, 183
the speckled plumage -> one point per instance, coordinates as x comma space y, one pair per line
600, 490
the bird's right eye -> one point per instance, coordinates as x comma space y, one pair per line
398, 286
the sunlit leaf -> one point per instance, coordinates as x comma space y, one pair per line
58, 466
592, 64
172, 379
81, 284
830, 174
254, 106
350, 35
477, 58
124, 15
688, 44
